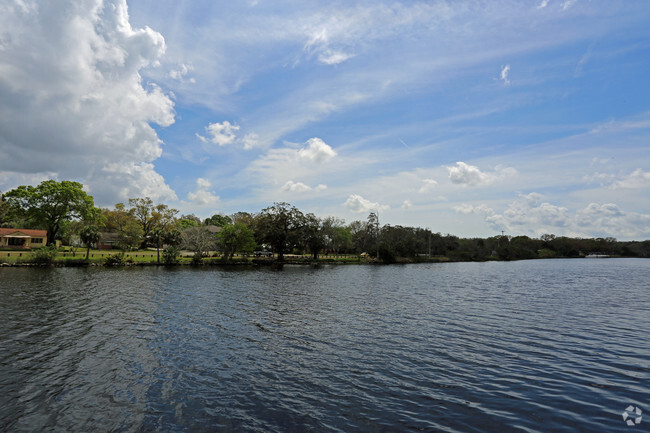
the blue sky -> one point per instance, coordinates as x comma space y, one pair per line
465, 117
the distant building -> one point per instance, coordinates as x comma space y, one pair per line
108, 241
22, 239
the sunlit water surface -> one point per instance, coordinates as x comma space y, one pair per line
533, 346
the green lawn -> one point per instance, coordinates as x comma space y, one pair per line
97, 256
149, 256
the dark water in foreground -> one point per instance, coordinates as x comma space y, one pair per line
534, 346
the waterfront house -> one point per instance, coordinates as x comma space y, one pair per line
108, 241
22, 238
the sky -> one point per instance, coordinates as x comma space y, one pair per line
464, 117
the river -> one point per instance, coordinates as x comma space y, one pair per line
529, 346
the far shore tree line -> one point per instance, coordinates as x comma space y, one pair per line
69, 215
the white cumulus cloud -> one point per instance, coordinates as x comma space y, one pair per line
72, 101
358, 204
203, 196
317, 151
292, 186
465, 174
220, 133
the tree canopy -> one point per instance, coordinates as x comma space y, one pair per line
51, 204
234, 238
151, 216
280, 225
218, 220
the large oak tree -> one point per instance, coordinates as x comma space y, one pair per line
280, 226
51, 204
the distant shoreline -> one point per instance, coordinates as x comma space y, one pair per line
256, 262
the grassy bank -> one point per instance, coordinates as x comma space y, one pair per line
149, 257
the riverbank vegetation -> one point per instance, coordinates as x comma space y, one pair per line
141, 232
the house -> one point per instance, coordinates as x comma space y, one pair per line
108, 241
22, 238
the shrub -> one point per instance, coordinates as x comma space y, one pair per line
115, 259
45, 255
197, 258
170, 255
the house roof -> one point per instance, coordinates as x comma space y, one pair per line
109, 237
15, 233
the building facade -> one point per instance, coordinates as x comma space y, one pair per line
22, 239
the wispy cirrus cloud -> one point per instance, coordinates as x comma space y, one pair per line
505, 72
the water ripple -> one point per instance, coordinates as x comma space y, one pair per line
472, 347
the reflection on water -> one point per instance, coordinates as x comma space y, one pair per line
540, 346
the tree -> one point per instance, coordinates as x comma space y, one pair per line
198, 239
187, 221
279, 225
336, 235
89, 235
361, 241
172, 238
313, 234
51, 204
218, 220
4, 210
157, 236
150, 216
235, 238
243, 217
124, 223
373, 229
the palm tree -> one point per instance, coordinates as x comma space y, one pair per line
89, 235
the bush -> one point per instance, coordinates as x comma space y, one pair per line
115, 259
197, 258
170, 255
45, 255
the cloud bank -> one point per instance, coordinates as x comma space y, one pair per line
529, 214
72, 100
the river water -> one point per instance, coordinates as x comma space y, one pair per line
530, 346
